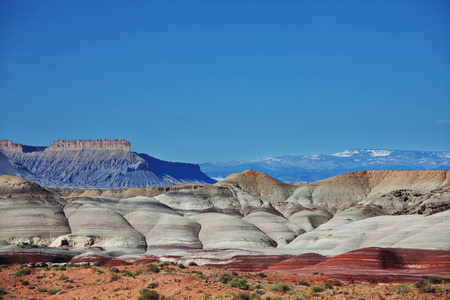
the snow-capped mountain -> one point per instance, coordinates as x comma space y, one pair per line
311, 168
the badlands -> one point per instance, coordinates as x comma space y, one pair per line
378, 225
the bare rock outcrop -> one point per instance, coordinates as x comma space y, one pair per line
260, 185
104, 144
28, 213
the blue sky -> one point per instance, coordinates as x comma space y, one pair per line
197, 81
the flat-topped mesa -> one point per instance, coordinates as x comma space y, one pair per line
105, 144
10, 146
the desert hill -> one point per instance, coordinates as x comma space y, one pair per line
246, 215
94, 164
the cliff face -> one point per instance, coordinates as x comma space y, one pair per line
97, 164
108, 144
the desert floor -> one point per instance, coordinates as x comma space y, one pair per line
165, 280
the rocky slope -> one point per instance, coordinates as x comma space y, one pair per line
98, 164
239, 216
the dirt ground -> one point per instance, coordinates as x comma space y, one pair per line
173, 281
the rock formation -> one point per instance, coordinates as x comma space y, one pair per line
238, 223
94, 164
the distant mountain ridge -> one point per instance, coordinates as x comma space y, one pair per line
293, 169
88, 164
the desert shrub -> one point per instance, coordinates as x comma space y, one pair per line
3, 292
62, 268
400, 289
193, 263
152, 285
246, 296
114, 270
53, 291
148, 295
239, 283
434, 279
25, 282
326, 285
280, 287
316, 273
164, 264
337, 283
224, 278
3, 267
302, 282
234, 273
63, 277
262, 275
21, 272
153, 269
317, 289
97, 270
97, 264
181, 266
425, 287
127, 273
43, 290
139, 272
115, 277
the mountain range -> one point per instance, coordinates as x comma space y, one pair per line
107, 163
295, 169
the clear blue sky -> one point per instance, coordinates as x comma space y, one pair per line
197, 81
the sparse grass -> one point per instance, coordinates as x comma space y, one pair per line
115, 277
21, 272
139, 272
127, 273
63, 277
53, 291
400, 289
280, 287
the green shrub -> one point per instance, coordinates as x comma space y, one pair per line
153, 269
114, 270
152, 285
280, 287
262, 275
25, 282
224, 278
148, 295
127, 273
326, 285
115, 277
425, 287
97, 270
3, 292
317, 289
63, 277
21, 272
337, 283
53, 291
302, 282
43, 290
239, 283
434, 279
193, 263
181, 266
139, 272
